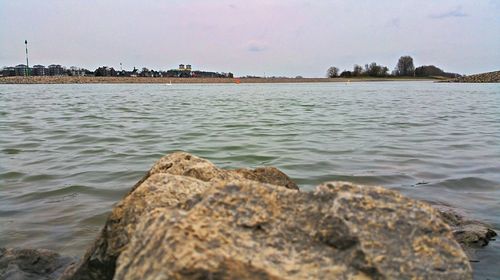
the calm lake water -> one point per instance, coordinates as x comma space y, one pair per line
69, 152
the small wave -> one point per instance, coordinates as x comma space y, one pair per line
12, 175
469, 184
95, 220
11, 151
39, 177
67, 192
93, 151
252, 159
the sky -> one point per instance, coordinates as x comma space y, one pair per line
263, 38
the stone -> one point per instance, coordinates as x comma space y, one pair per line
245, 230
184, 164
31, 264
471, 234
187, 218
174, 181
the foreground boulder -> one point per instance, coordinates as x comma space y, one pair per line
189, 219
158, 188
244, 230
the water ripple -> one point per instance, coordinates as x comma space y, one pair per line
69, 152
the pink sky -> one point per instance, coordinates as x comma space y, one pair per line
252, 37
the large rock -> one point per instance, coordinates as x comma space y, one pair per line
31, 264
249, 230
159, 189
189, 219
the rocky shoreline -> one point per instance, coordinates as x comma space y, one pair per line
489, 77
167, 80
187, 218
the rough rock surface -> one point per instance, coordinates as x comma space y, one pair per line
244, 229
185, 164
31, 264
489, 77
471, 234
159, 189
189, 219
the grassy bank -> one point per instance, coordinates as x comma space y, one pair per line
148, 80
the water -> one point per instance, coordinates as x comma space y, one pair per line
69, 152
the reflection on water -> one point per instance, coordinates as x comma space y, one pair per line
68, 152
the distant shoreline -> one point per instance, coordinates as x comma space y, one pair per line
167, 80
488, 77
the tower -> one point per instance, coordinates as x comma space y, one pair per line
27, 70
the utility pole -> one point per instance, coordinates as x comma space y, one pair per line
27, 72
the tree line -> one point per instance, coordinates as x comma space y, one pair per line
404, 68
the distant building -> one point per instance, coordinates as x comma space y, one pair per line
39, 70
55, 70
76, 71
20, 70
8, 71
177, 73
185, 73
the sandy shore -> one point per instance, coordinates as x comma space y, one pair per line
148, 80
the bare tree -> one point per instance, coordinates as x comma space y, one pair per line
357, 70
332, 72
374, 70
405, 66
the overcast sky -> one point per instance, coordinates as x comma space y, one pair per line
252, 37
